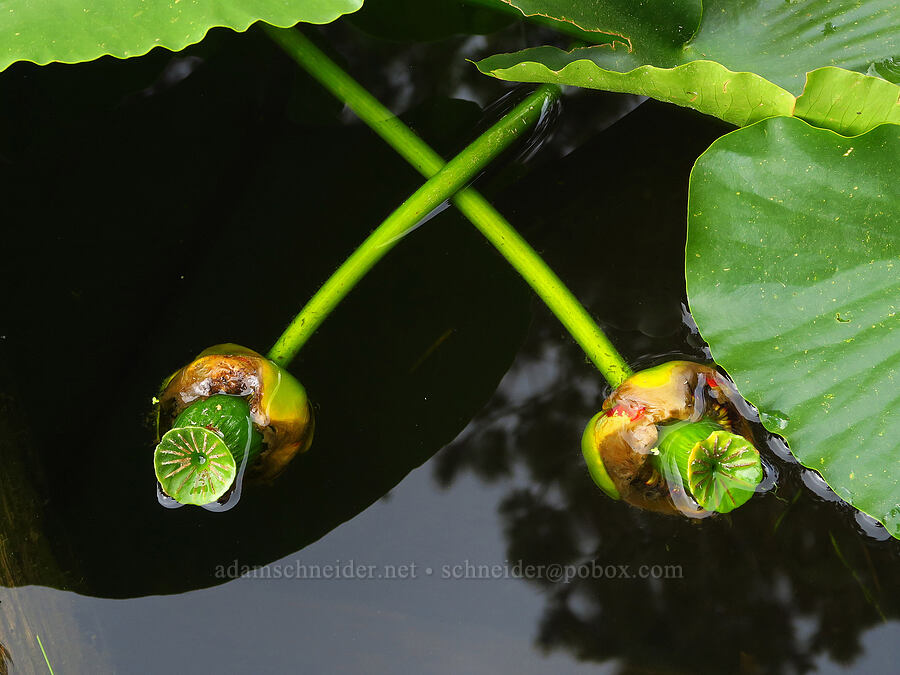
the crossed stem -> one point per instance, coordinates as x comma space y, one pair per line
448, 181
445, 181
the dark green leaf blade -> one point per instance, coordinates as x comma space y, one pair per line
782, 41
645, 27
758, 53
392, 381
792, 275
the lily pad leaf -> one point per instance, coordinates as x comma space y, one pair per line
649, 26
72, 31
782, 41
706, 86
778, 41
793, 277
847, 102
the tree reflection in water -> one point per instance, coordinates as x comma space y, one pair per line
773, 586
747, 579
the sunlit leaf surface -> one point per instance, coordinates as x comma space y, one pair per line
761, 51
847, 102
81, 30
793, 276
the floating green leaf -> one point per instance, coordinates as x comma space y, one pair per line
654, 26
847, 102
739, 98
782, 41
193, 465
749, 57
71, 31
792, 274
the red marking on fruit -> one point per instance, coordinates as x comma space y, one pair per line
623, 411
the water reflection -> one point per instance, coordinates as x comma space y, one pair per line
749, 580
777, 586
772, 587
781, 584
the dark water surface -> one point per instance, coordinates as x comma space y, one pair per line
157, 206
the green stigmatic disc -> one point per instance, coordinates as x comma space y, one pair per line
230, 416
723, 471
193, 465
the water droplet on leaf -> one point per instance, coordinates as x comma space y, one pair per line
774, 419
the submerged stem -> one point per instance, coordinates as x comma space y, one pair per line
44, 652
475, 207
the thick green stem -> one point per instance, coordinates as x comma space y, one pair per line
440, 187
475, 207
